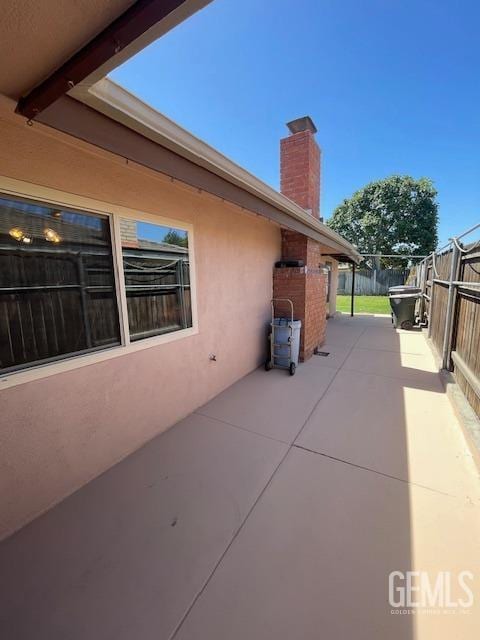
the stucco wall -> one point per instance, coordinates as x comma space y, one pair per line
59, 432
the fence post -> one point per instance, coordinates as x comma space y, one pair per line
423, 286
432, 296
452, 289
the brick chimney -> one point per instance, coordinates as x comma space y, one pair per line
304, 286
300, 165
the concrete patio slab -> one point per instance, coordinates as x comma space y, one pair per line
273, 403
393, 428
342, 334
314, 557
418, 371
124, 557
398, 341
337, 354
213, 531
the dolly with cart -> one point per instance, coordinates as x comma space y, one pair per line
284, 340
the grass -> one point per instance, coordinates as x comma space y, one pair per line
364, 304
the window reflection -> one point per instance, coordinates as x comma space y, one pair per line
157, 278
57, 293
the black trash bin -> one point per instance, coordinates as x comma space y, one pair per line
403, 309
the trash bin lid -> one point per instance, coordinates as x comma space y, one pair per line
405, 295
404, 289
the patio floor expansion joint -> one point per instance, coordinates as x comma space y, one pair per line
379, 473
237, 426
232, 540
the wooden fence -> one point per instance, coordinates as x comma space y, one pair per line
56, 302
450, 282
371, 282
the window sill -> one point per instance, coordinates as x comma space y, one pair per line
75, 362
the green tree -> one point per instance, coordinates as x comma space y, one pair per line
395, 215
174, 237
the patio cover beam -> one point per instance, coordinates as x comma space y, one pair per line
128, 27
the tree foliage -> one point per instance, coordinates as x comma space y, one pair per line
395, 215
173, 237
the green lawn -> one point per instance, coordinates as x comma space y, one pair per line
364, 304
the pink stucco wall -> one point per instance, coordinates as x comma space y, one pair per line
59, 432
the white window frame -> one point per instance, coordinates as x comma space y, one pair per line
21, 189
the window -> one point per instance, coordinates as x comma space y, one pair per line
59, 292
57, 287
157, 278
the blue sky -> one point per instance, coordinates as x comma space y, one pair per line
393, 87
155, 232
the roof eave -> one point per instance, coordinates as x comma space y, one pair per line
115, 102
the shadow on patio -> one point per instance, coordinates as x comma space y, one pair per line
277, 510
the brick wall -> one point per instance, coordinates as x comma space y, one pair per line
294, 245
305, 286
128, 233
315, 311
300, 170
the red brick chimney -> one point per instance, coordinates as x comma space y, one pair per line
300, 165
305, 286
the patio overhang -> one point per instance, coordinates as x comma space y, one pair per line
342, 257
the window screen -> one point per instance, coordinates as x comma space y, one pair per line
157, 278
57, 289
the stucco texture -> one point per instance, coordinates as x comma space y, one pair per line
61, 431
38, 37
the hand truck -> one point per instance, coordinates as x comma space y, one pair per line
285, 346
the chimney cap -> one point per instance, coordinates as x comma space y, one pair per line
302, 124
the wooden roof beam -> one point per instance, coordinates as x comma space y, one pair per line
128, 27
